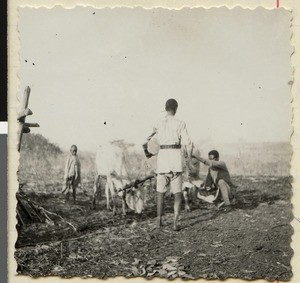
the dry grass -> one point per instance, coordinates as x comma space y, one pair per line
42, 162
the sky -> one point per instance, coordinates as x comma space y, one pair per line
98, 75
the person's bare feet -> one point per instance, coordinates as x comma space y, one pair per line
176, 227
159, 223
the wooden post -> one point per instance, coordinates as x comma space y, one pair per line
24, 111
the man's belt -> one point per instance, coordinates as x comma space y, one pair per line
170, 146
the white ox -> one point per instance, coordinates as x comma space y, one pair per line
111, 166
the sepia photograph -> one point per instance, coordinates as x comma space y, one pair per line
154, 143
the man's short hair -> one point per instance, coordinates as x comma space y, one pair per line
171, 105
215, 153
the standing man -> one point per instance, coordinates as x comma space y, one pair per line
175, 145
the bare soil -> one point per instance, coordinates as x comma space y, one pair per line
251, 241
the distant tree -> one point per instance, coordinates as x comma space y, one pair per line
134, 160
40, 145
39, 159
123, 144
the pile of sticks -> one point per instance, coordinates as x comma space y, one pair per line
30, 212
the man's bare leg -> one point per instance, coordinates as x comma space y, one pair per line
177, 206
67, 191
225, 190
160, 208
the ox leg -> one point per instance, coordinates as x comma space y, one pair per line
186, 200
111, 192
114, 201
107, 192
96, 188
124, 205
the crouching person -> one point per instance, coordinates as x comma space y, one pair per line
72, 177
218, 176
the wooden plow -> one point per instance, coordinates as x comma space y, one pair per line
137, 182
